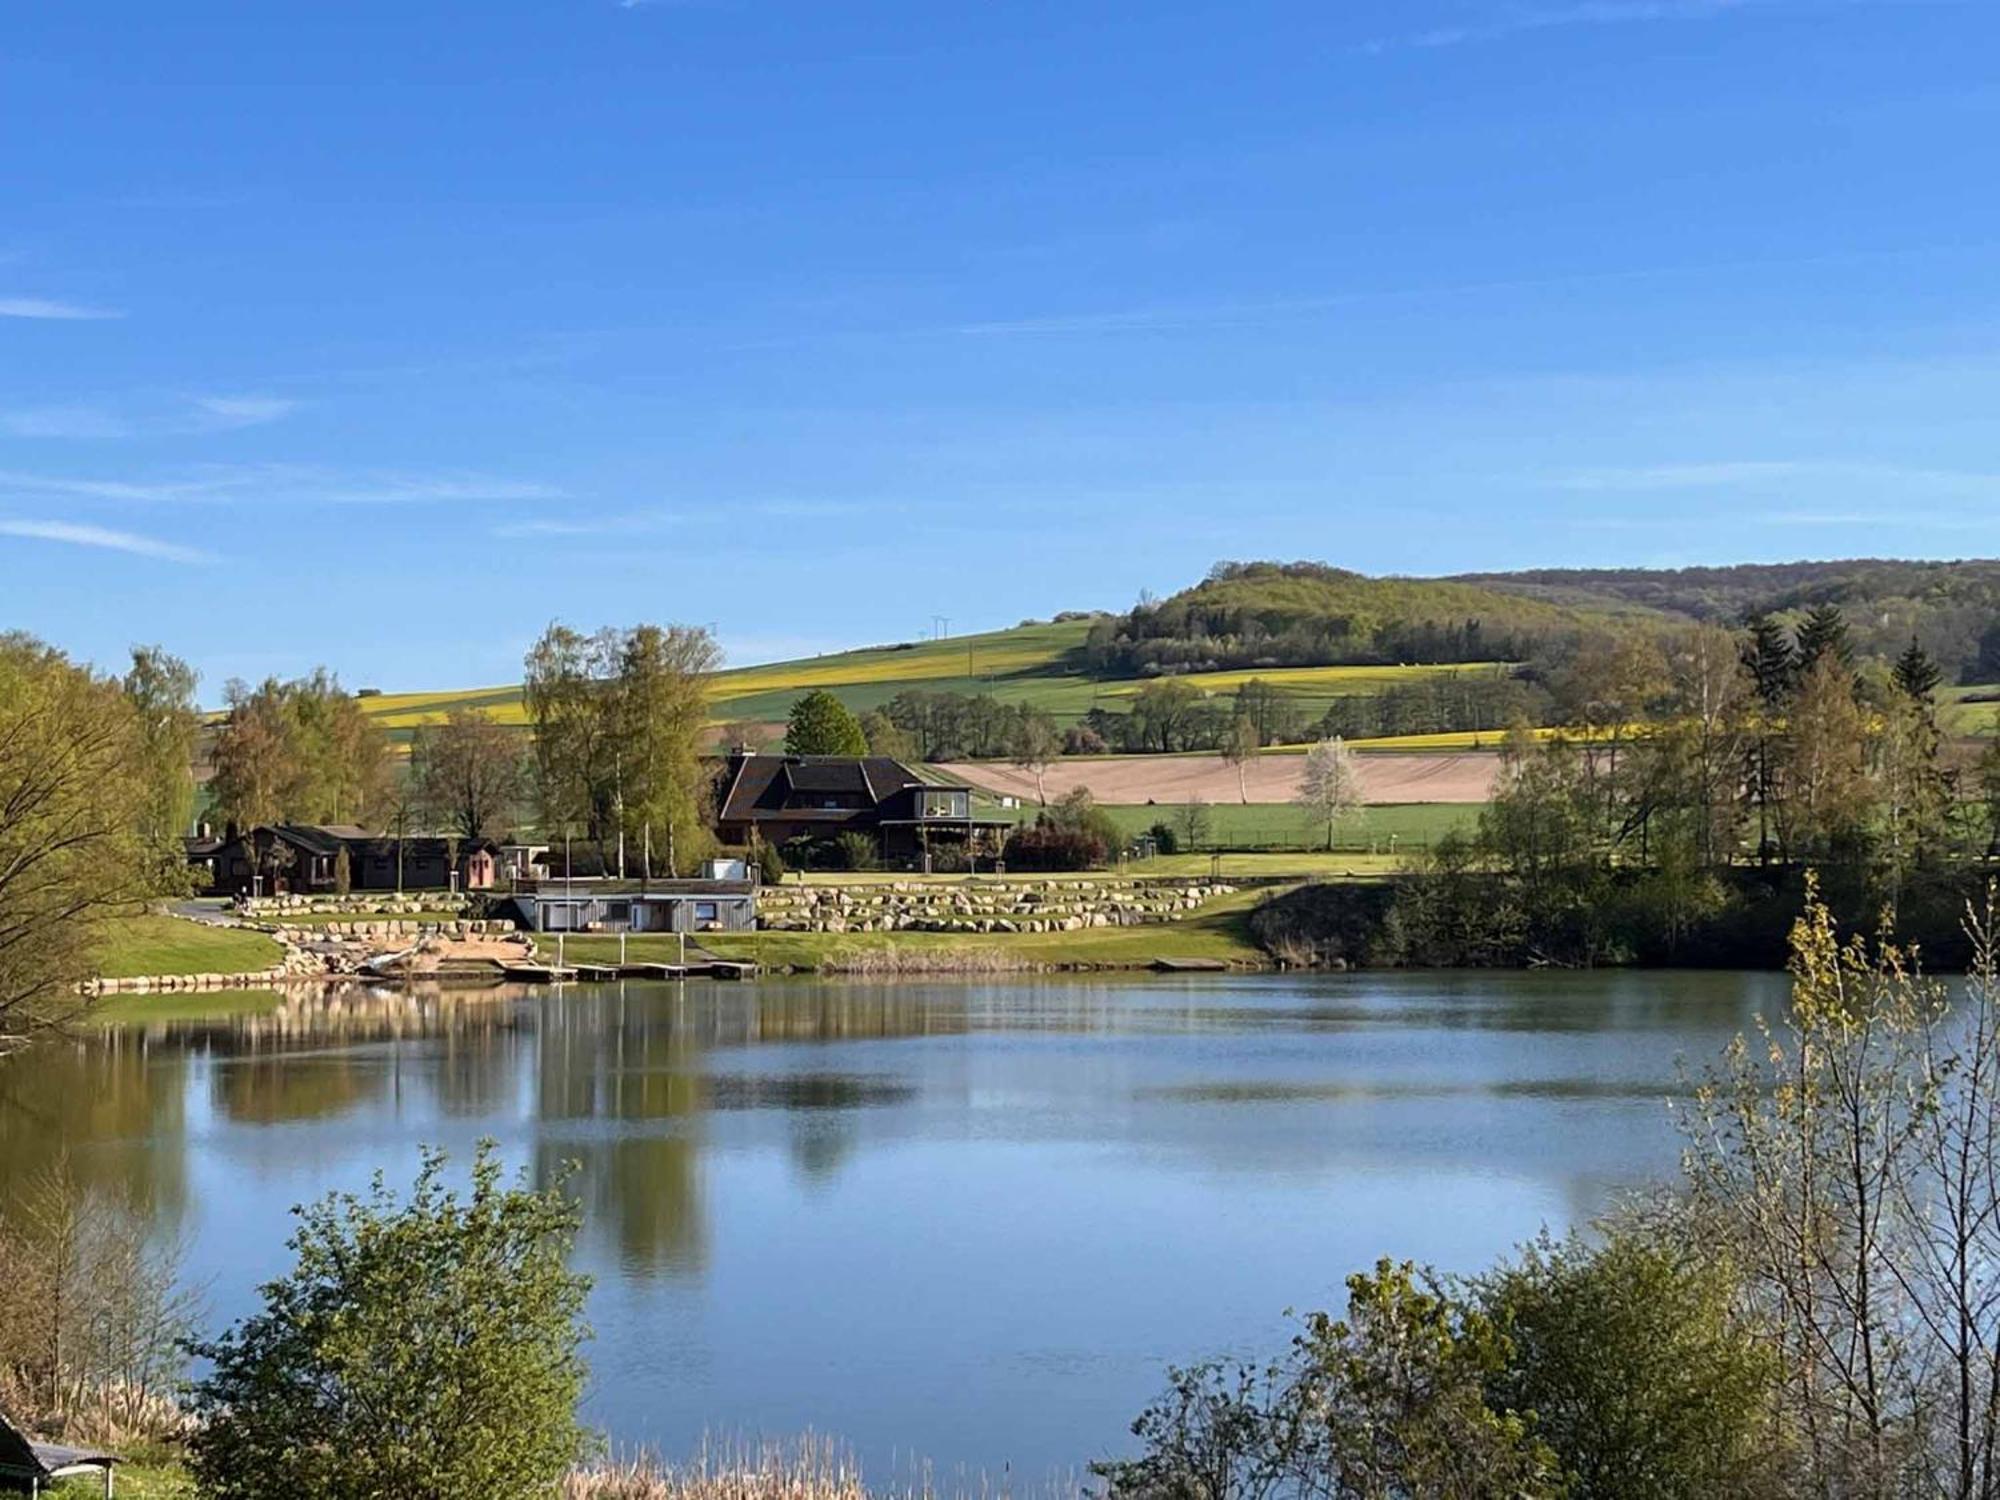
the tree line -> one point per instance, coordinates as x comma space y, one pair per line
1688, 780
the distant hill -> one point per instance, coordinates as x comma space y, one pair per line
1268, 614
1321, 635
1953, 608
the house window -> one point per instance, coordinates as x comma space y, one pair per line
618, 911
705, 911
945, 804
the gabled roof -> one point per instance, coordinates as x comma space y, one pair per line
311, 837
762, 784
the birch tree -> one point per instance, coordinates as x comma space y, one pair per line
1330, 788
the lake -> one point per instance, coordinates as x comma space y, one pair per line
970, 1221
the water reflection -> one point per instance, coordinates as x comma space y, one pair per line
967, 1219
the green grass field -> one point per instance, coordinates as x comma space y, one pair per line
1219, 931
1281, 826
135, 1482
149, 944
1962, 714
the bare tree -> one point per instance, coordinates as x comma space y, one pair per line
468, 773
92, 1315
1036, 744
1847, 1164
1330, 788
1240, 749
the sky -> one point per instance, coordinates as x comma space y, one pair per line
379, 335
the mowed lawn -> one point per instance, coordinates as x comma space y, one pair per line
1281, 825
1219, 931
1971, 711
150, 944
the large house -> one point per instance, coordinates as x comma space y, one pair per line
779, 798
307, 859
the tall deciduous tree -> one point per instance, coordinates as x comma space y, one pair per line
300, 751
568, 689
161, 688
662, 708
469, 773
618, 717
1828, 796
1035, 745
1330, 787
75, 806
820, 724
1240, 749
1164, 714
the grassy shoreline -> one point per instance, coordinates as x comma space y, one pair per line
1218, 933
151, 945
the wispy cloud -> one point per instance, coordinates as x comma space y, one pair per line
244, 411
1253, 313
75, 534
145, 417
295, 485
1524, 19
63, 422
631, 524
1766, 473
45, 307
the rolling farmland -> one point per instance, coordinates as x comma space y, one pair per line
1031, 664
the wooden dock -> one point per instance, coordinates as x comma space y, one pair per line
704, 966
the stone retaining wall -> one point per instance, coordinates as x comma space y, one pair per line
384, 927
1019, 904
361, 903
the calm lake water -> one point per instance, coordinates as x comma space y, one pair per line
968, 1221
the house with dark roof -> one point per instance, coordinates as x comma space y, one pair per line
306, 858
776, 799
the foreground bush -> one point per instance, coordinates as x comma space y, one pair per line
416, 1350
1390, 1401
1642, 1371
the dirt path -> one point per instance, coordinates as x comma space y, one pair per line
1465, 777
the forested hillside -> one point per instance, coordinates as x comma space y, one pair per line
1951, 608
1270, 614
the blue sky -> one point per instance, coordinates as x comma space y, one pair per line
379, 334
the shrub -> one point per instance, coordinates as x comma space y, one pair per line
1164, 838
1389, 1401
1642, 1375
415, 1349
1045, 845
770, 863
1083, 740
855, 851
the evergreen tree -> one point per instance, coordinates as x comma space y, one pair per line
1770, 659
1916, 674
1823, 633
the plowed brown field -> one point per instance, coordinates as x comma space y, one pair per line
1465, 777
